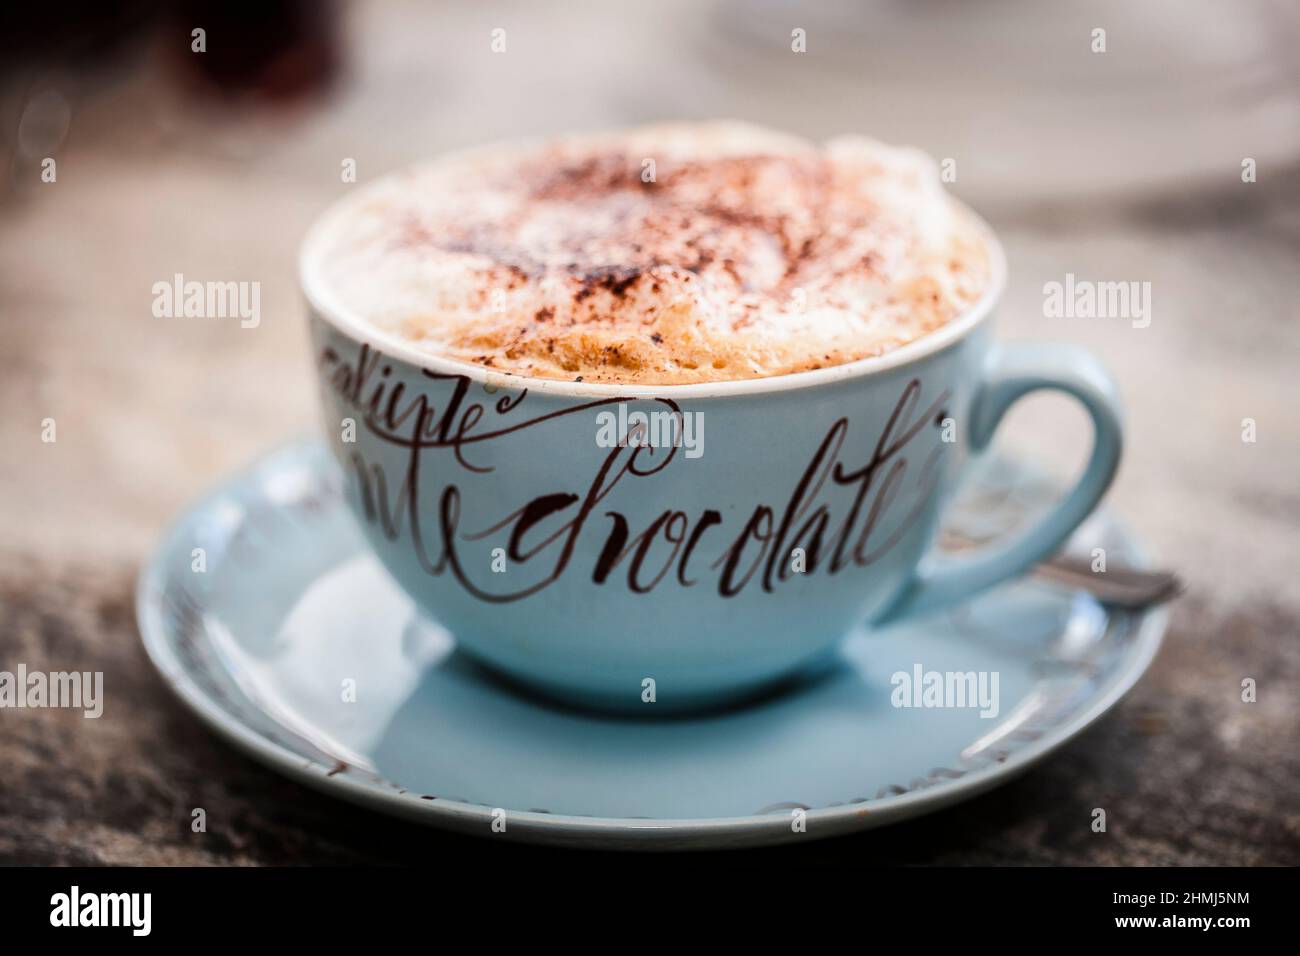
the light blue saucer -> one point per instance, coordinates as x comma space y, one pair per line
292, 616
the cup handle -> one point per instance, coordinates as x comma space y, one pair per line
1011, 372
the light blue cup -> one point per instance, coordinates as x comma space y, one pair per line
654, 579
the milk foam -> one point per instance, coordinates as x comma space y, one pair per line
659, 255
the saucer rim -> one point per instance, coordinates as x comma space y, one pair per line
594, 831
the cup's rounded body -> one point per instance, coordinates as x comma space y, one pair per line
614, 546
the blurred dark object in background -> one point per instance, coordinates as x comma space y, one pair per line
74, 33
206, 63
274, 50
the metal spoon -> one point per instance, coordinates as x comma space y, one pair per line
1116, 586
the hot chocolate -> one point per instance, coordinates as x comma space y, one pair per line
657, 256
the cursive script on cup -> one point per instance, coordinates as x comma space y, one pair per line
677, 547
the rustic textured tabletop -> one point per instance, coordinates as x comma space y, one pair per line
1111, 169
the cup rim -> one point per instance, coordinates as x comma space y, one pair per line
329, 308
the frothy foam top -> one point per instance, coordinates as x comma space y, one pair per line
660, 255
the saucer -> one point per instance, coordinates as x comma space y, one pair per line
286, 636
